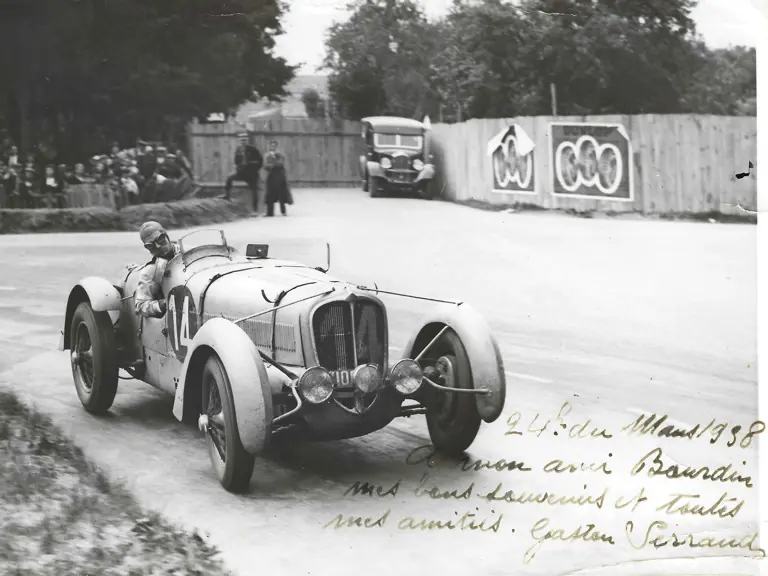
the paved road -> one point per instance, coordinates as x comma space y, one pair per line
616, 317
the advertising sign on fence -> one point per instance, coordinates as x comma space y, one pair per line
511, 152
591, 161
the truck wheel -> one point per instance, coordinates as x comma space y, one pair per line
93, 358
232, 464
452, 419
373, 187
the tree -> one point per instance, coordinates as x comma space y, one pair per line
378, 60
85, 71
313, 104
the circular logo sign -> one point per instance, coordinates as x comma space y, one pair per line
181, 320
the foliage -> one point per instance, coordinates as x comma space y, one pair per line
313, 104
492, 58
377, 60
118, 69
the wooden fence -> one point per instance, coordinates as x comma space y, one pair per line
679, 163
318, 153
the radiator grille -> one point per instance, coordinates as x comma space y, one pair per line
334, 333
401, 163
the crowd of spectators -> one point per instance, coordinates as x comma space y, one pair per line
129, 176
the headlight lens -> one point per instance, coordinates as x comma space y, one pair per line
316, 385
406, 376
366, 378
418, 164
386, 163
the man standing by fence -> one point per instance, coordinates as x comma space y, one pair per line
248, 162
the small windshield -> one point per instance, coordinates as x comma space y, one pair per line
208, 237
397, 141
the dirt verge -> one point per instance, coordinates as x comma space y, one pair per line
61, 515
181, 214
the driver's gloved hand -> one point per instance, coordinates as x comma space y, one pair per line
161, 306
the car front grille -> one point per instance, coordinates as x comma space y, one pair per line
348, 334
401, 163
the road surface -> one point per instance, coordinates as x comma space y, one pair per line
616, 317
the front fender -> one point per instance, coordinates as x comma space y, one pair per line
427, 173
485, 360
251, 393
375, 170
100, 293
362, 167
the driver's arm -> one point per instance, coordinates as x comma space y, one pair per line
145, 302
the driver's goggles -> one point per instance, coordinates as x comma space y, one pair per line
157, 242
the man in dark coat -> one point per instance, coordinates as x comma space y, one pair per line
248, 162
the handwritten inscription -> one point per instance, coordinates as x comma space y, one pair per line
654, 501
684, 504
584, 533
656, 467
579, 430
675, 540
652, 426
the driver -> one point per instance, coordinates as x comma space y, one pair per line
150, 301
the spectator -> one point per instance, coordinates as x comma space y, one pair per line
13, 157
248, 162
277, 181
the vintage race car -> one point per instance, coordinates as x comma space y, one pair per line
251, 346
396, 157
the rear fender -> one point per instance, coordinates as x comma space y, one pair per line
102, 296
486, 364
251, 392
375, 170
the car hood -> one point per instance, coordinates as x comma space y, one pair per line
241, 289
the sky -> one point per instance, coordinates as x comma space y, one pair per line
720, 22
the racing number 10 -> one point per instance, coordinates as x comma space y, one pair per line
180, 333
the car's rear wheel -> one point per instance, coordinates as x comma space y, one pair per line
232, 464
452, 419
93, 358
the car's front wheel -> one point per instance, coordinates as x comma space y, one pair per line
93, 358
232, 464
452, 419
374, 186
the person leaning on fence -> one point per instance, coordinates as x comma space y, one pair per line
277, 180
248, 162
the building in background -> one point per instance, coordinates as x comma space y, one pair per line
292, 105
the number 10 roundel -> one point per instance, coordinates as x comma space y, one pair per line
181, 320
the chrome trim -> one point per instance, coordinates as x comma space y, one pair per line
290, 412
457, 390
354, 339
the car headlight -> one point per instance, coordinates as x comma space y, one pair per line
316, 385
406, 376
386, 163
418, 164
366, 378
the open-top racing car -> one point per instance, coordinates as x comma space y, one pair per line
251, 346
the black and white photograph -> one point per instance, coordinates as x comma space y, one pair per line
413, 287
